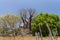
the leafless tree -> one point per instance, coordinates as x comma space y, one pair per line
26, 16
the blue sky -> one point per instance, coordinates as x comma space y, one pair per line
13, 6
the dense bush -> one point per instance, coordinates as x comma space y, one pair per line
51, 19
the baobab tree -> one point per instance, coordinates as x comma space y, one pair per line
26, 16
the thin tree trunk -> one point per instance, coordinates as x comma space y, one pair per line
14, 34
55, 34
50, 33
40, 32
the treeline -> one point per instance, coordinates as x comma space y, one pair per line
43, 23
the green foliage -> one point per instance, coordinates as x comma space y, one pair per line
42, 19
58, 28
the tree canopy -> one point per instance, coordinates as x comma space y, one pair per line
42, 19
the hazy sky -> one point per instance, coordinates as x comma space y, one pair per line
13, 6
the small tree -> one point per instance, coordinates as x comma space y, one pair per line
10, 22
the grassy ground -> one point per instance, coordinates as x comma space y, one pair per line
24, 38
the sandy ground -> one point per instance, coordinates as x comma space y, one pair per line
25, 38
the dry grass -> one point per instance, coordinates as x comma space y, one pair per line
24, 38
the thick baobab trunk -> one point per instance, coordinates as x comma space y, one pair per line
50, 33
25, 25
29, 22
